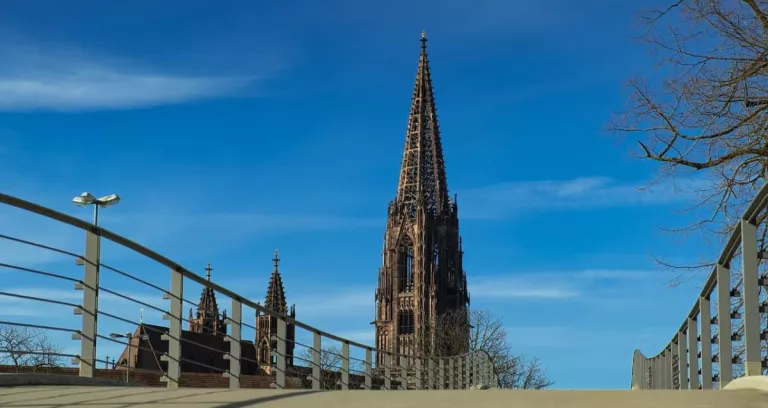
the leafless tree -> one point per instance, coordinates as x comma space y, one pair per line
487, 332
27, 347
330, 365
706, 110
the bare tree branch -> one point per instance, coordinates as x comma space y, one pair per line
707, 112
26, 347
487, 333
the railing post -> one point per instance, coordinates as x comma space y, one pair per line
467, 370
668, 367
173, 337
451, 374
234, 320
476, 375
674, 366
387, 371
750, 293
368, 366
682, 365
419, 376
725, 349
280, 363
345, 366
693, 355
316, 369
433, 375
403, 366
441, 374
705, 321
90, 309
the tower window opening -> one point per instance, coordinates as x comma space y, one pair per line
405, 268
405, 323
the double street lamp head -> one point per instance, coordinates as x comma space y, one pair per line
87, 199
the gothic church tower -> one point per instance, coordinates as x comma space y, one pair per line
422, 276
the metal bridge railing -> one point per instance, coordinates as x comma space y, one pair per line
94, 302
724, 335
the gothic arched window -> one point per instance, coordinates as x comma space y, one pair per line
405, 266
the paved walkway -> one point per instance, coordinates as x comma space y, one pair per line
128, 397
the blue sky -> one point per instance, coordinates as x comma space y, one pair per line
234, 128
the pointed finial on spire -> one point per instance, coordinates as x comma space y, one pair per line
208, 270
423, 39
141, 318
276, 259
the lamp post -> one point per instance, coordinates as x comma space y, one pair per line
88, 199
129, 336
91, 293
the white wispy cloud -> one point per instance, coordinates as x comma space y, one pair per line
544, 285
509, 198
34, 78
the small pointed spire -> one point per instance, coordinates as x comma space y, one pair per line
423, 39
275, 299
208, 270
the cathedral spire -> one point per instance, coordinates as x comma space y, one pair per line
207, 318
422, 173
275, 299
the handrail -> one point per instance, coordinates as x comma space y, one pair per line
731, 247
142, 250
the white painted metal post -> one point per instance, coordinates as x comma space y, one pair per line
402, 378
705, 323
368, 365
433, 376
316, 368
693, 355
90, 307
682, 352
280, 358
724, 345
387, 371
345, 366
467, 370
173, 336
419, 375
673, 369
441, 374
234, 337
750, 294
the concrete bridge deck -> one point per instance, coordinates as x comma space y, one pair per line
125, 397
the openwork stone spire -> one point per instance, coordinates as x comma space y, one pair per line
275, 299
422, 173
207, 318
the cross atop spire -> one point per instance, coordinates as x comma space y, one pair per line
208, 270
276, 259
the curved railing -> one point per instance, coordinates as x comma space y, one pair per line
350, 365
726, 325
